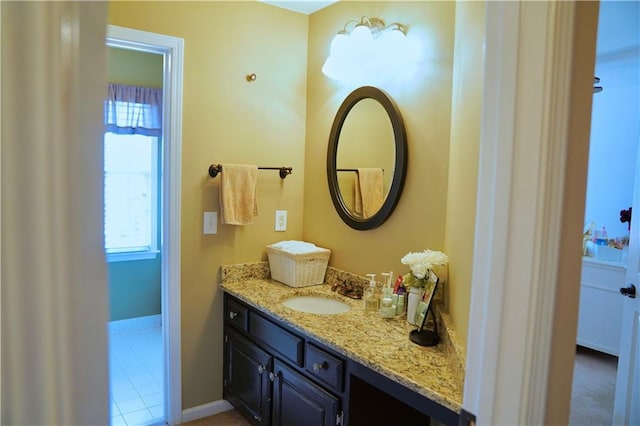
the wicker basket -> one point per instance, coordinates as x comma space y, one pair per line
298, 269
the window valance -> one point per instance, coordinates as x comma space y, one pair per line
133, 110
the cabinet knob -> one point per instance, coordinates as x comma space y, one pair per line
233, 315
260, 369
629, 291
317, 367
272, 376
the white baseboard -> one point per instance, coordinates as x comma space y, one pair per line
205, 410
139, 323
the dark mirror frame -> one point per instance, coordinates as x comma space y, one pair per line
400, 170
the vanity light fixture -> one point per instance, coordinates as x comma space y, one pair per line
367, 47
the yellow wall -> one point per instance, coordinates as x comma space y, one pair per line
441, 111
463, 158
229, 120
418, 221
284, 118
134, 68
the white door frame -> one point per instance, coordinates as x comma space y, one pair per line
172, 49
530, 209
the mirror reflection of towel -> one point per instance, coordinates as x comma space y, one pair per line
238, 203
369, 191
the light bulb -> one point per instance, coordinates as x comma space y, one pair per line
332, 68
362, 35
391, 42
338, 44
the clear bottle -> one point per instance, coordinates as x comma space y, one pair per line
387, 307
371, 298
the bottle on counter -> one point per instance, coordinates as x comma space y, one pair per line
387, 305
401, 297
371, 298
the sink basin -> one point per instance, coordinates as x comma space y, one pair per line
316, 305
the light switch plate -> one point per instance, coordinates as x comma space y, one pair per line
210, 223
281, 220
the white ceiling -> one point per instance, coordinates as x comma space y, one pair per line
302, 6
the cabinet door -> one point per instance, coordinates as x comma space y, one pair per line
246, 378
600, 314
298, 401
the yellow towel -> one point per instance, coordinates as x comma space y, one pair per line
369, 191
238, 204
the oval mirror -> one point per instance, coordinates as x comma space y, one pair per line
366, 158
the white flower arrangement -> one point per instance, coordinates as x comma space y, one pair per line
420, 264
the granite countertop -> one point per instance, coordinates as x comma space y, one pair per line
380, 344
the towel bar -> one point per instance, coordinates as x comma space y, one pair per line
350, 170
214, 169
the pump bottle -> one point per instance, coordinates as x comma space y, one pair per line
371, 299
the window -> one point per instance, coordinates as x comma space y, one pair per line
133, 121
130, 196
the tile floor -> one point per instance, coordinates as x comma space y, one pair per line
136, 374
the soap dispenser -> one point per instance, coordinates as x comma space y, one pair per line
371, 300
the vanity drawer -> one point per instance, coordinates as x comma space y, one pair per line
324, 367
287, 344
237, 315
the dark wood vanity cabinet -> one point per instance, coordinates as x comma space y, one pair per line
265, 376
299, 401
247, 383
277, 376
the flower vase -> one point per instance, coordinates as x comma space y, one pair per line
413, 299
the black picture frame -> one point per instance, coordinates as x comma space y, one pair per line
421, 335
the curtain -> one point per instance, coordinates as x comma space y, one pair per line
133, 110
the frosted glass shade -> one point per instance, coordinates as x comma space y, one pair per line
357, 56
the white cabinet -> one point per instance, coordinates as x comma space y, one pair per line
600, 313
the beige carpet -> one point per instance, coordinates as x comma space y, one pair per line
228, 418
594, 382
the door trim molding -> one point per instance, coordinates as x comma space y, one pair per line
172, 49
522, 262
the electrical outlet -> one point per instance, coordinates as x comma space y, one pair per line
281, 220
210, 223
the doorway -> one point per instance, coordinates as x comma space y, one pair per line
171, 51
615, 135
133, 223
